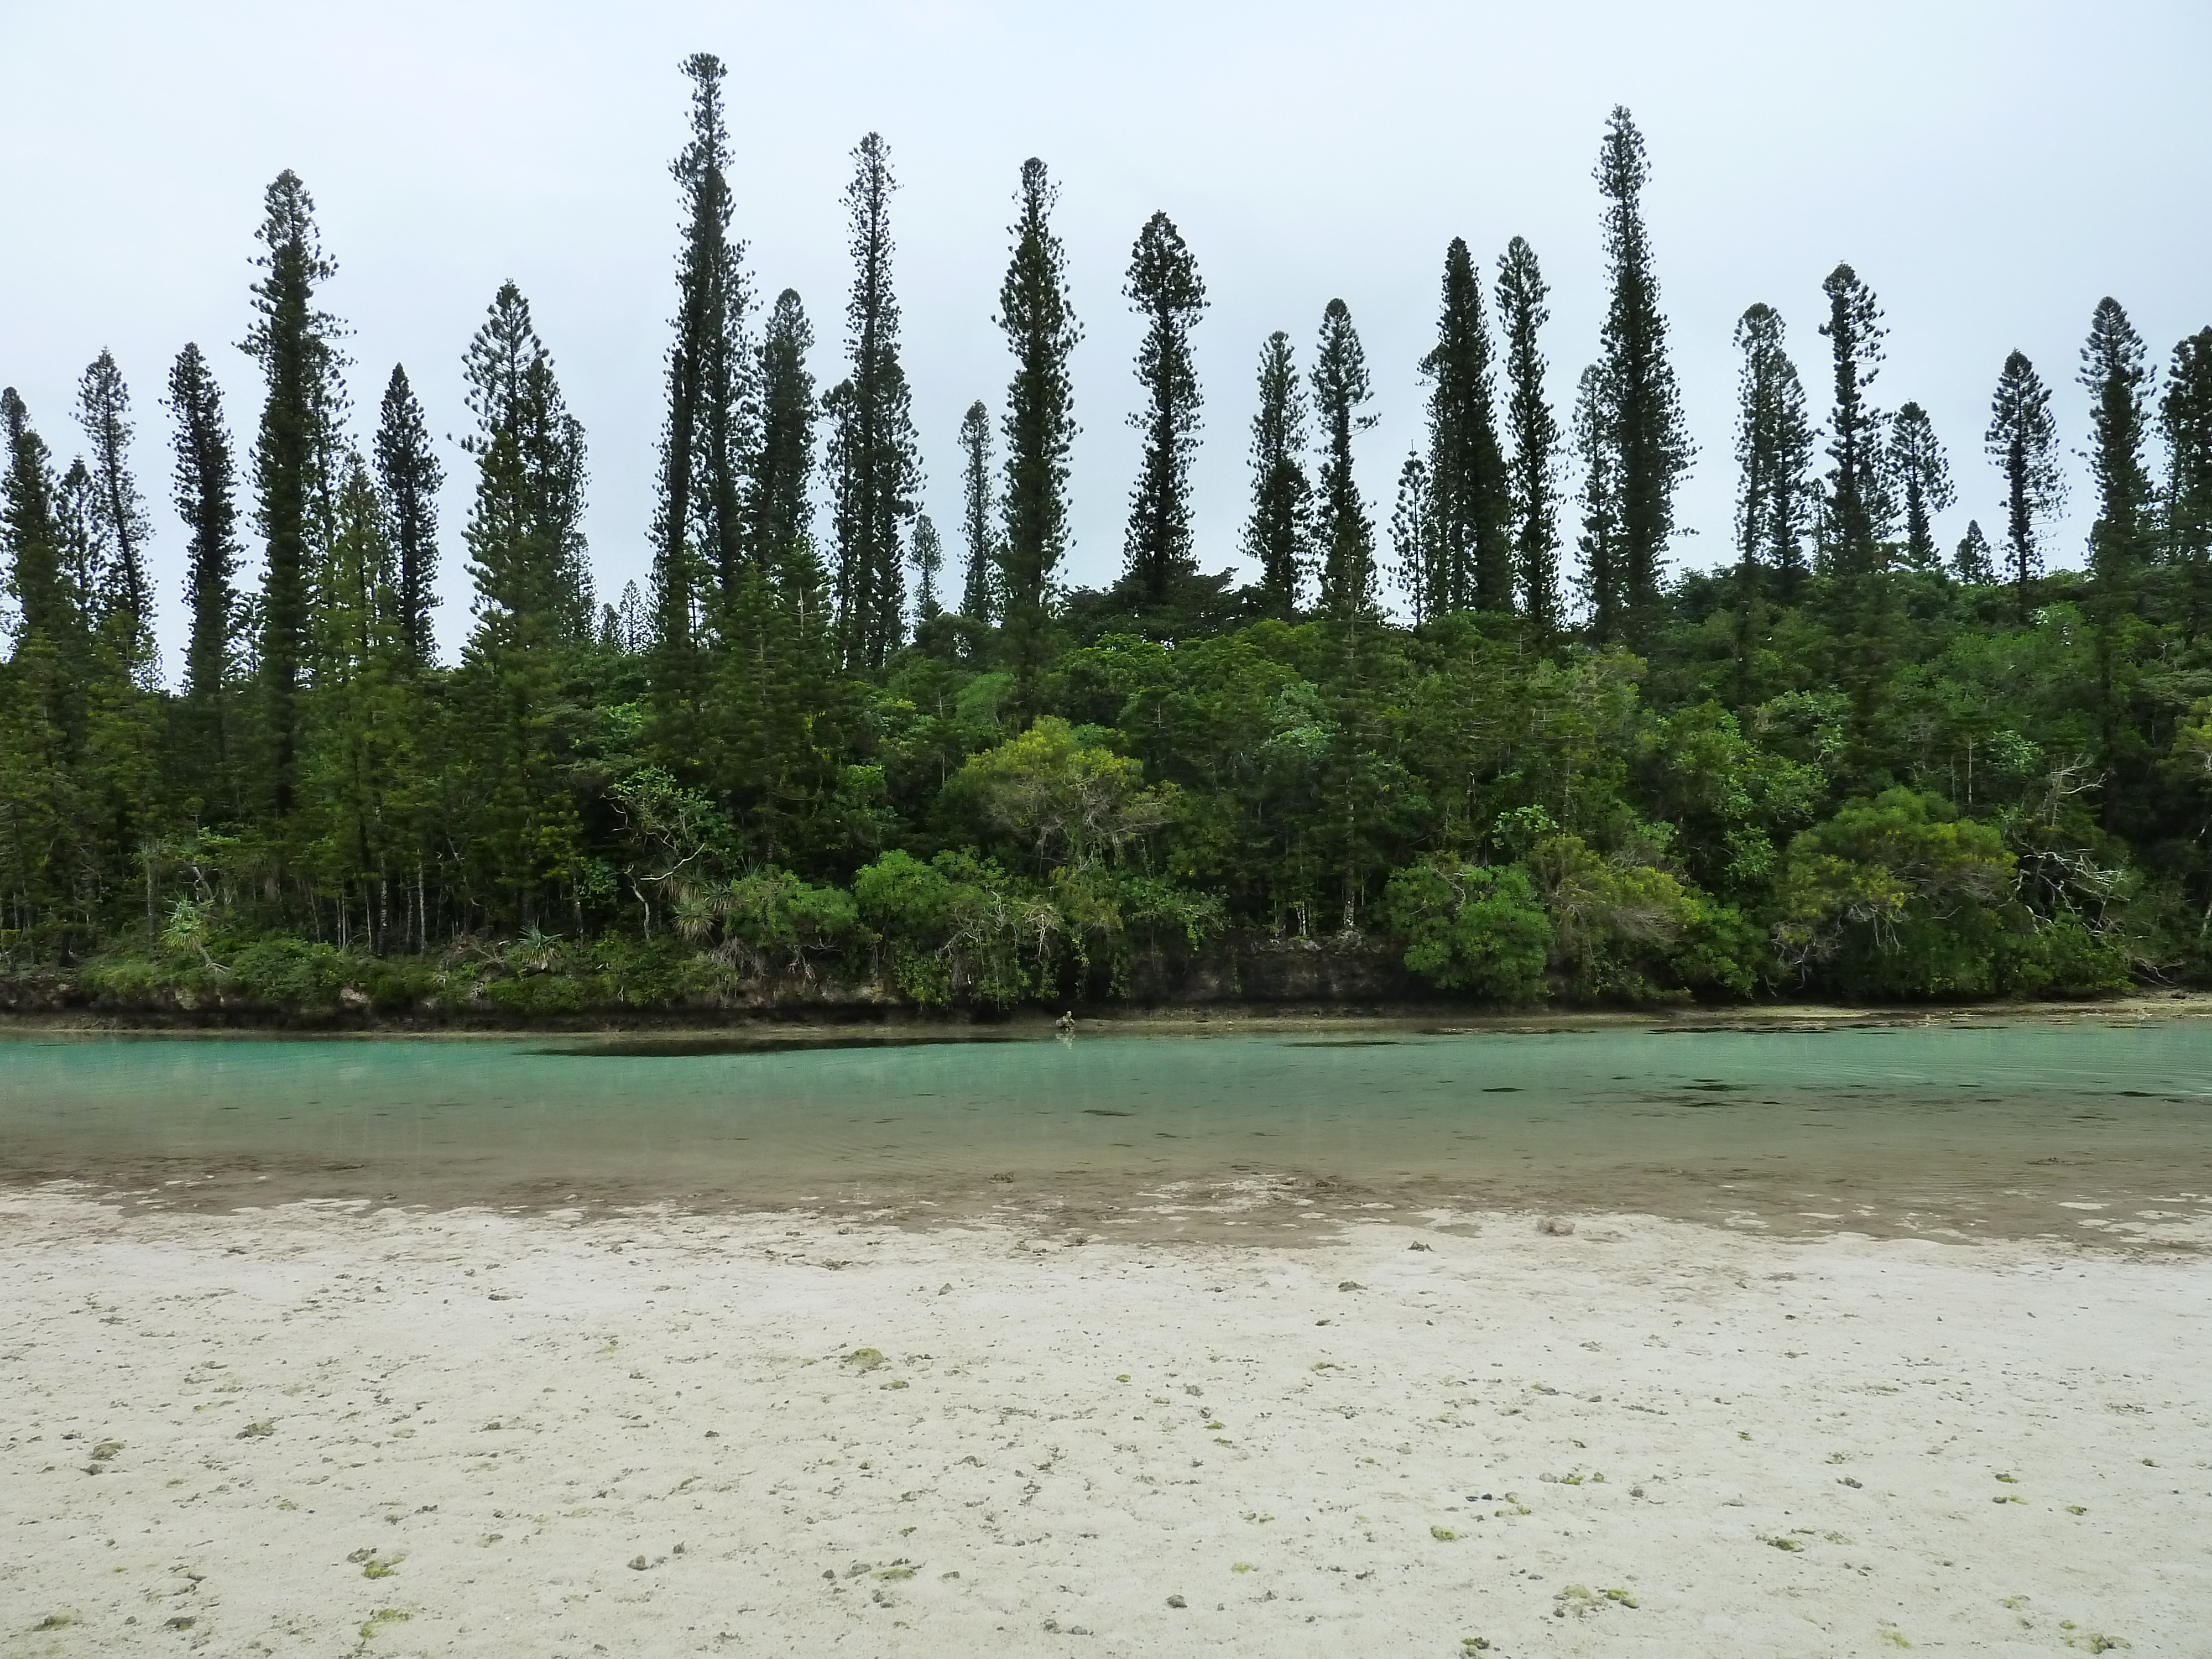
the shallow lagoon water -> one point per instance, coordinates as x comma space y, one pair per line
2090, 1131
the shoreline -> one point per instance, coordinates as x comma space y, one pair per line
1201, 1019
316, 1428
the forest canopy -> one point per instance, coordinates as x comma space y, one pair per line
1483, 732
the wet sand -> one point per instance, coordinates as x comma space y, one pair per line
321, 1428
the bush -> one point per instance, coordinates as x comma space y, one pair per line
1469, 927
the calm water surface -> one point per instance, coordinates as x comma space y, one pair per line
2027, 1129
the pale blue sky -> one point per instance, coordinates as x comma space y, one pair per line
1991, 169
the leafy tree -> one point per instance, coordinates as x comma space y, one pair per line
1343, 530
408, 478
778, 509
1922, 476
1477, 928
1637, 407
294, 456
875, 466
1534, 434
1038, 319
119, 513
979, 588
2022, 440
1278, 536
1163, 287
1472, 540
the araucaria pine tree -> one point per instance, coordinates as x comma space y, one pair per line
526, 555
1858, 515
2118, 380
979, 587
1038, 319
779, 510
408, 479
1344, 533
875, 464
1636, 415
1471, 501
1920, 479
1164, 289
928, 561
1278, 535
698, 532
1412, 536
124, 601
205, 501
2023, 440
1533, 433
2185, 420
295, 457
1774, 458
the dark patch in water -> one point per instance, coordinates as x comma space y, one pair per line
1101, 1111
1503, 1088
686, 1047
1350, 1042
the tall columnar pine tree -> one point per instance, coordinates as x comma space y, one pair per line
1534, 434
1473, 500
294, 459
1278, 536
2122, 541
1640, 413
1774, 459
1413, 537
1346, 534
408, 479
527, 556
362, 720
1972, 562
124, 601
875, 461
979, 587
1856, 518
1038, 319
778, 509
928, 561
205, 500
84, 555
49, 609
1603, 579
2022, 440
2184, 419
41, 701
525, 533
1920, 480
698, 532
1164, 289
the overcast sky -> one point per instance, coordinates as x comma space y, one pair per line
1991, 170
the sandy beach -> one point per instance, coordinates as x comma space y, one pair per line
322, 1429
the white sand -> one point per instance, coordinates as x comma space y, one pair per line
638, 1437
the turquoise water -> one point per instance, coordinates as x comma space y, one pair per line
1977, 1129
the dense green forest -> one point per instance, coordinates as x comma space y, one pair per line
1492, 740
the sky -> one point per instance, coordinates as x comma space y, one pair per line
1990, 169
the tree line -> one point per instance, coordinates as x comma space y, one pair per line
811, 752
